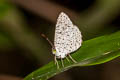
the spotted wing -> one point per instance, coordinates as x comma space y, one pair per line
67, 36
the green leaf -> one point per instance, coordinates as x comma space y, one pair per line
92, 52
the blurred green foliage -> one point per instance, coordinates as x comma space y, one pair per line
4, 7
5, 42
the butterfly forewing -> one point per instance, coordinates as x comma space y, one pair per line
67, 36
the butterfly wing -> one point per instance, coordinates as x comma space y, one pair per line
67, 36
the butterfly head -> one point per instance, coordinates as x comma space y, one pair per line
53, 51
58, 54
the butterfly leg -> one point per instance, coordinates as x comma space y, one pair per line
72, 58
56, 62
67, 59
62, 62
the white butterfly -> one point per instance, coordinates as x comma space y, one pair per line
67, 38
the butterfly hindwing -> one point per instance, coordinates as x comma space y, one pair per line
67, 36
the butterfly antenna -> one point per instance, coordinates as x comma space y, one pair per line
43, 35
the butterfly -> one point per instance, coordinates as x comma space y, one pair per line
67, 39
